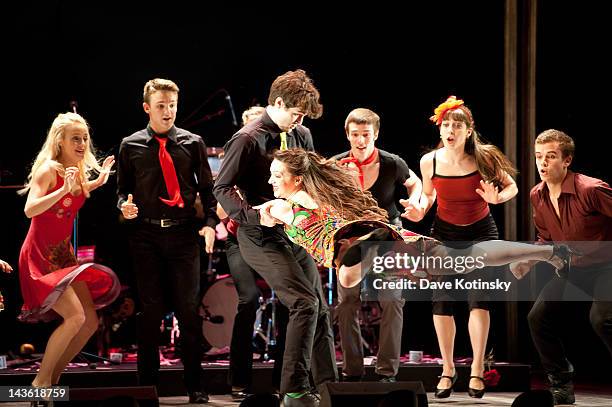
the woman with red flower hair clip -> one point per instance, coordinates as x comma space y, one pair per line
465, 176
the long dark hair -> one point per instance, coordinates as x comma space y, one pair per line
490, 160
331, 186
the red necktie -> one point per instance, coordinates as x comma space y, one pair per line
167, 166
369, 160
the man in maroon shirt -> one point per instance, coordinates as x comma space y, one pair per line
569, 207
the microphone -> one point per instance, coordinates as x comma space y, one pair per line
73, 106
231, 107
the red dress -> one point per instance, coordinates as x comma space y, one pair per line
47, 264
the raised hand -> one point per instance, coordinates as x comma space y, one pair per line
4, 266
107, 164
129, 208
489, 192
70, 178
412, 210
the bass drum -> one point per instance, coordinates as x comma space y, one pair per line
218, 308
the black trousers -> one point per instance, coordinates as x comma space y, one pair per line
292, 273
166, 263
241, 350
548, 317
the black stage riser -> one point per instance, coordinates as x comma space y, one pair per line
514, 378
411, 394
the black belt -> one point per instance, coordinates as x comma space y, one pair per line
166, 223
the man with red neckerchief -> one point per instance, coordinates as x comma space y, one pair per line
387, 177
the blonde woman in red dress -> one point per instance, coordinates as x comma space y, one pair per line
53, 284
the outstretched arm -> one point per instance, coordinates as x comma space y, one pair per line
414, 186
275, 212
415, 209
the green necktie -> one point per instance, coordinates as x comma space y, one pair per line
283, 137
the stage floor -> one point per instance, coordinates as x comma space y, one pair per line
515, 378
501, 399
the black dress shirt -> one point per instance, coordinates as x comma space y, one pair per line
246, 164
139, 173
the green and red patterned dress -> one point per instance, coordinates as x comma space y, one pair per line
47, 264
319, 230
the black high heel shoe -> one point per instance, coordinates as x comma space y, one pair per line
562, 254
445, 393
477, 393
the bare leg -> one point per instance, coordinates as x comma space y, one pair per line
492, 253
349, 277
445, 330
478, 327
82, 337
69, 307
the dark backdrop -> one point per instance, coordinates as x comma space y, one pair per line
400, 63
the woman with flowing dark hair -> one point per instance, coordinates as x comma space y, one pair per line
464, 175
325, 212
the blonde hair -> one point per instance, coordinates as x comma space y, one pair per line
51, 150
251, 113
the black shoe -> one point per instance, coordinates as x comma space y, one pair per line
562, 259
562, 388
445, 393
198, 397
562, 395
386, 379
353, 254
307, 400
477, 393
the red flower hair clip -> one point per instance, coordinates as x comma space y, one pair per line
451, 103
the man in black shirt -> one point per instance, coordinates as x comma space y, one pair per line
286, 267
388, 178
159, 173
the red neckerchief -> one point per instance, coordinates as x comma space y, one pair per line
352, 159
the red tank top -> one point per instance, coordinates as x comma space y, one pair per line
458, 202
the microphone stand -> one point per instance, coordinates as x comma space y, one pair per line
75, 244
189, 121
75, 225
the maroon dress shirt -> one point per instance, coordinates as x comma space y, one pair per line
585, 215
